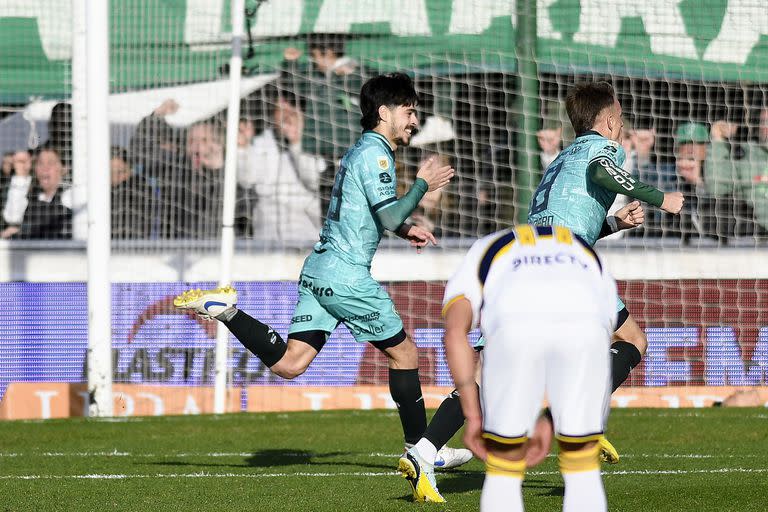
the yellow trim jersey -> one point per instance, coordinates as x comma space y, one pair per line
532, 269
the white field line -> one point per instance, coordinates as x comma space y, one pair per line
387, 474
116, 453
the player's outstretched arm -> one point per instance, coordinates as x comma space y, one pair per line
461, 361
604, 173
437, 176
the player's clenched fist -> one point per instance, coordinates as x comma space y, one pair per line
437, 176
673, 202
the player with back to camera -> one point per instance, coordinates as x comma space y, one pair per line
576, 191
546, 306
335, 284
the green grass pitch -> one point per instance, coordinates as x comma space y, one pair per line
672, 460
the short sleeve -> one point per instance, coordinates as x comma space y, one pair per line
465, 283
377, 176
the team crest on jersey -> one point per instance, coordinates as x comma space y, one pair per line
383, 163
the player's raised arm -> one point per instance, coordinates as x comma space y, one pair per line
431, 176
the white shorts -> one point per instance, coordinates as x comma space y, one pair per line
568, 361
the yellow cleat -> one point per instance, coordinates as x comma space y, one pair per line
421, 477
207, 303
607, 452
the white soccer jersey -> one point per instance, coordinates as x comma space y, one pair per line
546, 307
543, 263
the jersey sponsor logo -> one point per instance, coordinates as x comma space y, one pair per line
370, 329
383, 164
618, 174
363, 318
301, 319
318, 291
385, 177
560, 258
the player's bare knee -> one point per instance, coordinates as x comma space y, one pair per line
404, 355
288, 369
638, 339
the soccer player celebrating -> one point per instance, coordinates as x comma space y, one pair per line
547, 308
580, 185
335, 284
576, 191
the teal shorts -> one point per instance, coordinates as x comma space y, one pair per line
365, 308
619, 304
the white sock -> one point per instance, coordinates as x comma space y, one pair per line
584, 491
427, 451
501, 493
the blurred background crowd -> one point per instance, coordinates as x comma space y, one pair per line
167, 182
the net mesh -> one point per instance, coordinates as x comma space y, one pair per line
492, 78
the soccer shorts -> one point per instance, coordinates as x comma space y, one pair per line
569, 362
365, 308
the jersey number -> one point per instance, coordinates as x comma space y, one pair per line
334, 207
541, 199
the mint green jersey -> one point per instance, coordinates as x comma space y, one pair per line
365, 182
567, 197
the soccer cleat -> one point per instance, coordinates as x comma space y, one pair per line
607, 452
448, 458
207, 303
421, 476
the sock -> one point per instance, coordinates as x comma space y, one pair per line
584, 491
625, 356
583, 484
257, 337
502, 489
426, 450
405, 388
447, 420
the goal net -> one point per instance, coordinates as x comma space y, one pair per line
492, 78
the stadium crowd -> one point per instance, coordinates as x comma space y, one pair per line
168, 182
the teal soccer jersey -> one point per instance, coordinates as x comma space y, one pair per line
567, 197
335, 285
365, 183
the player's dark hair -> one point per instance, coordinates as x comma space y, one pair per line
584, 103
390, 90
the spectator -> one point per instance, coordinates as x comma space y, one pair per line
284, 178
60, 132
5, 177
642, 163
133, 203
41, 208
197, 192
188, 177
708, 208
747, 178
330, 85
550, 142
5, 180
